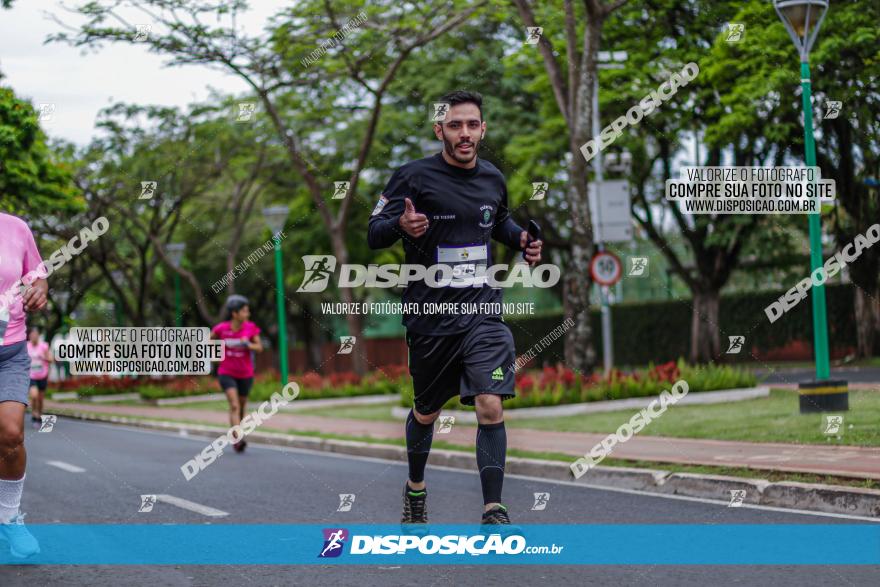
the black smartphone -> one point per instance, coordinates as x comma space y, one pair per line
534, 232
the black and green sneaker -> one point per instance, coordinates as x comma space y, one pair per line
497, 515
415, 507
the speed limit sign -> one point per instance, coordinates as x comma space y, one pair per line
606, 268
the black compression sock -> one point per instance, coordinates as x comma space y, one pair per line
418, 445
491, 454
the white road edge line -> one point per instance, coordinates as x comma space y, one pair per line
526, 477
192, 506
66, 466
699, 499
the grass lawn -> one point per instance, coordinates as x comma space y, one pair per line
221, 405
771, 419
375, 413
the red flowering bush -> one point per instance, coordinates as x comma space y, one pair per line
524, 382
614, 375
394, 372
96, 383
344, 378
311, 380
186, 384
668, 372
549, 378
270, 374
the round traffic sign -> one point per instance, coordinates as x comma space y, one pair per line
606, 268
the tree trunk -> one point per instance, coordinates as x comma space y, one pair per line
359, 354
579, 342
567, 288
867, 310
311, 341
580, 352
705, 339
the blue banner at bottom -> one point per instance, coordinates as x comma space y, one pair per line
439, 544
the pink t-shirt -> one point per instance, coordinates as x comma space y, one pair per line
39, 364
18, 257
238, 362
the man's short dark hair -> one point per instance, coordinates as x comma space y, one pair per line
463, 97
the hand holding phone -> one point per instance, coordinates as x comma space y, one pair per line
533, 234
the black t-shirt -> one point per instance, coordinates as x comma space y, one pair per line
466, 208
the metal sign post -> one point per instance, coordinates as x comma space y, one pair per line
607, 343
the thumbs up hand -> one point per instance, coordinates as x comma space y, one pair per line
413, 223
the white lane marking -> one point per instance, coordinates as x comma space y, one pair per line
525, 477
66, 466
191, 506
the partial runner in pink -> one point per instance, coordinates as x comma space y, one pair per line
19, 259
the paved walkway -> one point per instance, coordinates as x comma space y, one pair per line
848, 461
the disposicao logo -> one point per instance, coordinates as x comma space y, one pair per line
465, 272
334, 541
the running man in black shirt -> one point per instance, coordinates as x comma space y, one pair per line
446, 209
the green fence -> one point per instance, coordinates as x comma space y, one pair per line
660, 331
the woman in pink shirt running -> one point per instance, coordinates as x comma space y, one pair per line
40, 356
241, 337
22, 289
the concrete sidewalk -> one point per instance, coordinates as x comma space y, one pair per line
844, 461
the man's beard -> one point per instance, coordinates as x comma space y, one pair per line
450, 150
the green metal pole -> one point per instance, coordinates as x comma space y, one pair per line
282, 329
820, 321
178, 315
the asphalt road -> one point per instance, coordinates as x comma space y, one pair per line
278, 486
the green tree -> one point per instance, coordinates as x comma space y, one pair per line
674, 34
345, 88
31, 177
765, 98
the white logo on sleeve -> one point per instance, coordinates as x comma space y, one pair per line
380, 205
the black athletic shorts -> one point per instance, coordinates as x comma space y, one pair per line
467, 364
242, 384
40, 384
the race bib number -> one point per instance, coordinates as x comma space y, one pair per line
468, 263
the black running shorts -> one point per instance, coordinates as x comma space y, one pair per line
242, 384
40, 384
467, 364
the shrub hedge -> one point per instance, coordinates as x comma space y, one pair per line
390, 379
558, 385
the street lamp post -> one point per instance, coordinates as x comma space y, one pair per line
802, 19
175, 255
275, 217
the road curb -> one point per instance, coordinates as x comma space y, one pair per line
833, 499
